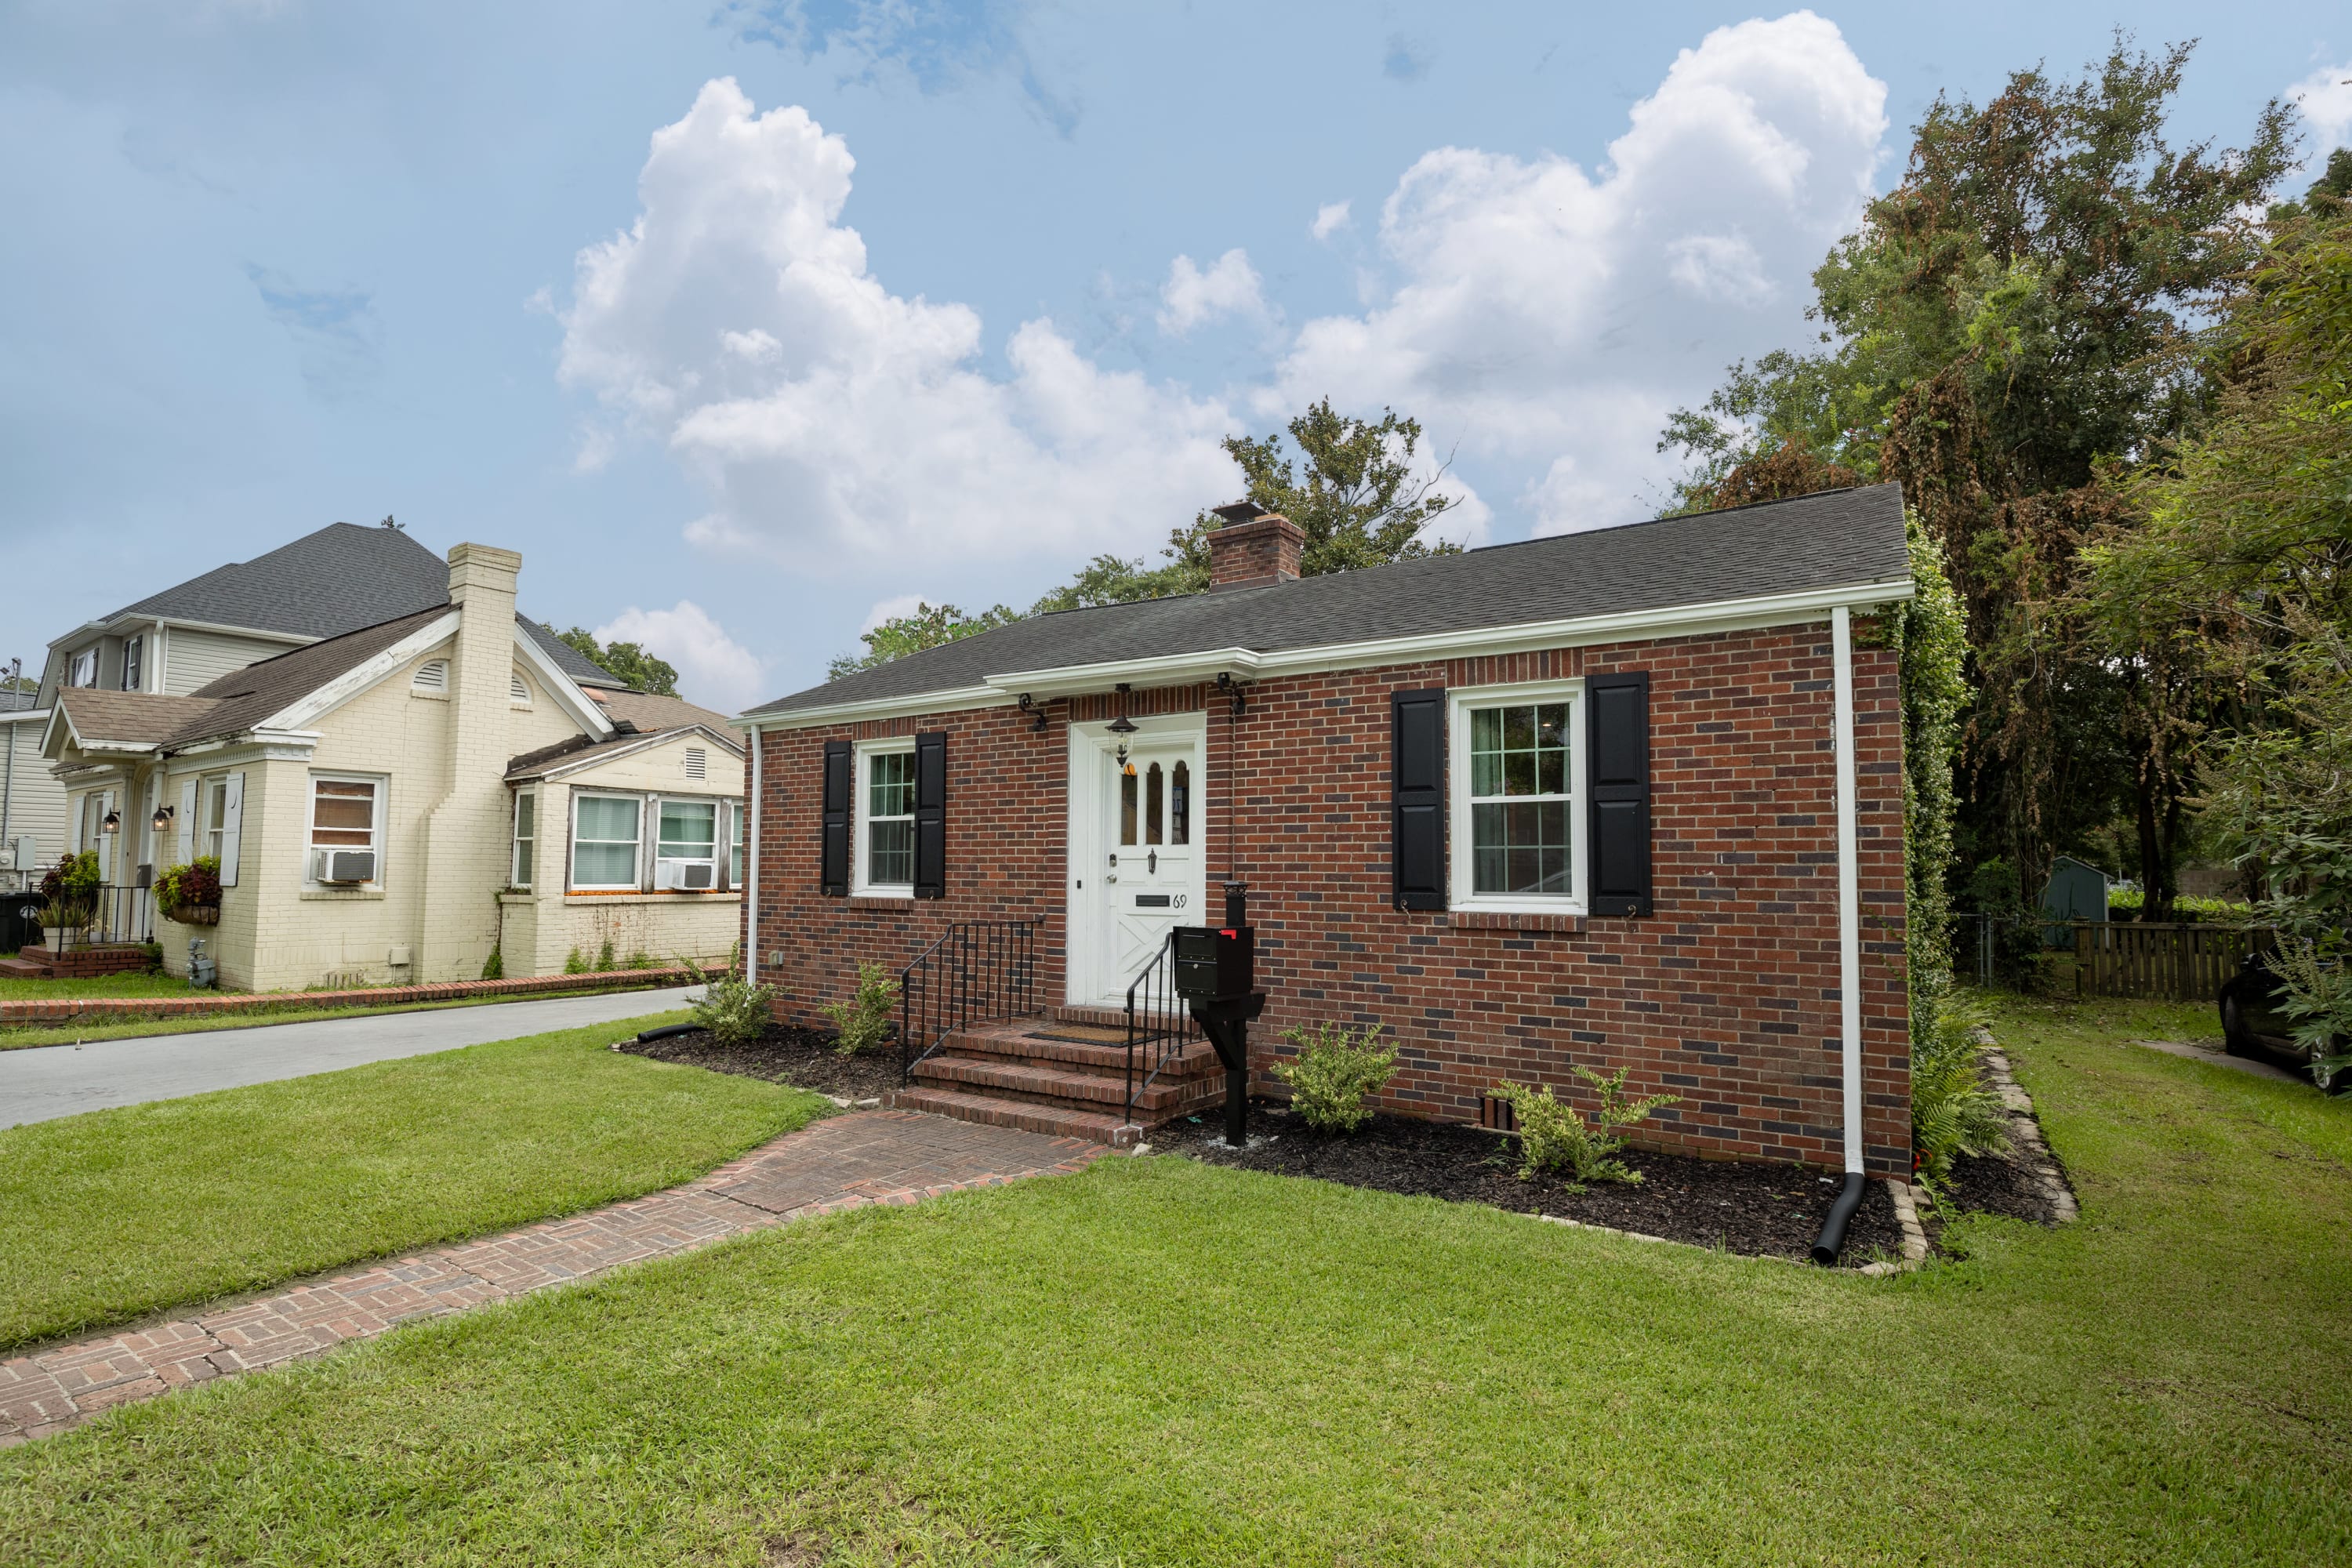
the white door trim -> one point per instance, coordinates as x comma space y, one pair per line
1087, 907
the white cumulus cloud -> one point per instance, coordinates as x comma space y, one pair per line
1328, 218
736, 321
2326, 98
889, 609
1191, 296
1543, 314
713, 669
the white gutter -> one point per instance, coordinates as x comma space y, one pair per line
1848, 892
751, 877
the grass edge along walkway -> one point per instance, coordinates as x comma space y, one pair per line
118, 1214
52, 1391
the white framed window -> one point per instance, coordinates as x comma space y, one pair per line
735, 854
686, 848
82, 668
883, 831
133, 663
1516, 785
213, 814
526, 840
346, 820
605, 838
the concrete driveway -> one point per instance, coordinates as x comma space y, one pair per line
43, 1082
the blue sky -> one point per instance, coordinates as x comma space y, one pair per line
744, 321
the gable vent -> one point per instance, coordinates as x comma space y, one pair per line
697, 763
433, 675
516, 689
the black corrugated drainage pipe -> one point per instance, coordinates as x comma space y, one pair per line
1831, 1240
666, 1031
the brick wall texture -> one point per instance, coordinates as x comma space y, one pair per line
1727, 996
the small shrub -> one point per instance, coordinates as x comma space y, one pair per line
734, 1011
865, 1019
1553, 1137
640, 959
1952, 1112
604, 957
1336, 1068
574, 964
495, 966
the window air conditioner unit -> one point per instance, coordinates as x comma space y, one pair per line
685, 876
347, 864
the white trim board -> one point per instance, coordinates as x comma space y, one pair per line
1808, 607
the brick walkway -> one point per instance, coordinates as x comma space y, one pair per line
841, 1162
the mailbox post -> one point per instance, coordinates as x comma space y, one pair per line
1216, 973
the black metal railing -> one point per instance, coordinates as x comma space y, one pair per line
1160, 1026
93, 917
978, 971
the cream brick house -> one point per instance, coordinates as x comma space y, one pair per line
393, 804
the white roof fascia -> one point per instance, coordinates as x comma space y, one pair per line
573, 764
25, 715
306, 709
582, 707
1635, 625
262, 745
961, 700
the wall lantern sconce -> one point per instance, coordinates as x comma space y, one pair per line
161, 820
1035, 709
113, 823
1231, 687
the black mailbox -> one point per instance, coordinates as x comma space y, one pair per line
1216, 964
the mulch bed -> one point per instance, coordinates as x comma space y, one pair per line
1992, 1184
805, 1059
1772, 1211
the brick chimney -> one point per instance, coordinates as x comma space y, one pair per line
467, 830
1253, 548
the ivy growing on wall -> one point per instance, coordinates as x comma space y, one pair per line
1929, 636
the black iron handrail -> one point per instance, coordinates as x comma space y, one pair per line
978, 971
95, 916
1160, 1026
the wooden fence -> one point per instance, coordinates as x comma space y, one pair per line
2174, 962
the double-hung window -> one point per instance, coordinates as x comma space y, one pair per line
343, 817
605, 840
215, 816
1517, 777
526, 840
885, 799
134, 664
688, 841
735, 855
82, 670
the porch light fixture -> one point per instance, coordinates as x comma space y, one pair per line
1231, 687
113, 823
1030, 706
161, 819
1123, 725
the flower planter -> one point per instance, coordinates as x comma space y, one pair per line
195, 915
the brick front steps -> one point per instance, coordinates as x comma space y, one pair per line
1066, 1077
65, 1010
75, 962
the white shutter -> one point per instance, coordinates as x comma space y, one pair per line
187, 822
232, 826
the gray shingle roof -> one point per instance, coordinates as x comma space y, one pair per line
1830, 540
337, 580
244, 698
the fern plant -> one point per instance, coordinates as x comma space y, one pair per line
1952, 1112
1553, 1137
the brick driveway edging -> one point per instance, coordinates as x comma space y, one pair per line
846, 1162
60, 1011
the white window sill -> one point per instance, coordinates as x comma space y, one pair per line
343, 895
1495, 906
592, 896
903, 894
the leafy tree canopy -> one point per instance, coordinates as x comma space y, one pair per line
1354, 489
636, 669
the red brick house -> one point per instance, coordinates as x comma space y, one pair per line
1577, 800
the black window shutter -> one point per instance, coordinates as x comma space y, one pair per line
931, 816
834, 867
1417, 793
1618, 781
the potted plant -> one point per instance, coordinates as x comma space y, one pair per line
69, 897
190, 894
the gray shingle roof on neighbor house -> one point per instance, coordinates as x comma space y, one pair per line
1834, 539
337, 580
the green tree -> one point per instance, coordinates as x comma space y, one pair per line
630, 663
929, 627
1353, 487
2000, 335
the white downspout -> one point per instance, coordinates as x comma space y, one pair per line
751, 875
1849, 890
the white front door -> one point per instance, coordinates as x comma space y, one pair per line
1139, 865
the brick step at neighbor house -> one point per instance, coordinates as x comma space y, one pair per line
75, 964
1057, 1075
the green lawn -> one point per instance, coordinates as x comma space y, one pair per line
1158, 1362
140, 984
119, 1213
72, 1034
